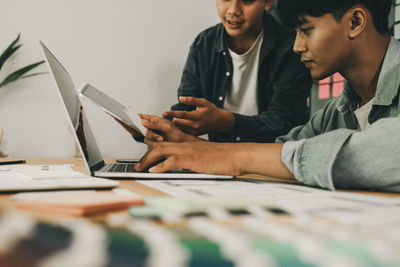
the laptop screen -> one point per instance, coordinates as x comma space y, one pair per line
76, 115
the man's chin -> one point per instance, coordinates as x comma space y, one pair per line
318, 75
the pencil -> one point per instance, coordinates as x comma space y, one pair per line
12, 162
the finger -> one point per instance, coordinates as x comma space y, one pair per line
188, 115
153, 155
194, 101
166, 114
157, 124
160, 126
148, 142
186, 125
152, 136
147, 117
169, 164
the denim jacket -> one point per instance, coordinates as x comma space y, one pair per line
283, 82
345, 157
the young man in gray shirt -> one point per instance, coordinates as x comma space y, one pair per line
337, 148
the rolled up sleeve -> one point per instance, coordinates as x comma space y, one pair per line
311, 160
348, 159
370, 159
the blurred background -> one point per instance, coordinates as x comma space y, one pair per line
132, 50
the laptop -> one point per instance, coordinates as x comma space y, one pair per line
86, 141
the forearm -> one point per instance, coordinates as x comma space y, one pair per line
192, 138
226, 122
264, 159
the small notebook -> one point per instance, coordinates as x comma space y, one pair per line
76, 202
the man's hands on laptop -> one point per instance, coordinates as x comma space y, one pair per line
216, 158
205, 118
202, 157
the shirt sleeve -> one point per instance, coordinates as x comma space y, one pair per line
315, 126
190, 82
349, 159
370, 159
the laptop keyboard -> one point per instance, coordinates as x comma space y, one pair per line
122, 167
128, 167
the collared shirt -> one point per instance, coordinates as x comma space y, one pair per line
362, 114
282, 89
345, 157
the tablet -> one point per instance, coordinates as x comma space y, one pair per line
113, 107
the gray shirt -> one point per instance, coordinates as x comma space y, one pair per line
343, 157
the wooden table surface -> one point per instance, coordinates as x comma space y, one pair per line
132, 185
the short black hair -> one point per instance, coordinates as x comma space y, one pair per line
292, 12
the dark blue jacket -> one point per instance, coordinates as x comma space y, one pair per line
284, 83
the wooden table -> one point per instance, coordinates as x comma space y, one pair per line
136, 187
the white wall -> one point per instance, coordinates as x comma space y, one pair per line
134, 50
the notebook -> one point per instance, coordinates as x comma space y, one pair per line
76, 202
86, 141
14, 178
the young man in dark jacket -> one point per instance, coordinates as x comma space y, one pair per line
242, 81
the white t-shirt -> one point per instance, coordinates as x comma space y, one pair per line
362, 114
241, 97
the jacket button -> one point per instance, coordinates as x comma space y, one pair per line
220, 98
238, 138
224, 53
228, 73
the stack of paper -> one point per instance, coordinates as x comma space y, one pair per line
76, 202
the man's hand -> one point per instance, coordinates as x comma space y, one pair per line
205, 157
159, 129
206, 118
166, 129
216, 158
151, 136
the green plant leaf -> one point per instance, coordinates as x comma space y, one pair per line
33, 74
10, 50
18, 74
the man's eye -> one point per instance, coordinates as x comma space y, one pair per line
306, 31
247, 1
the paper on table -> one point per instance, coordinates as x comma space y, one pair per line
37, 175
42, 171
349, 208
76, 202
236, 187
28, 168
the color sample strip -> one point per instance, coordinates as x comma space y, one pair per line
126, 248
46, 239
202, 252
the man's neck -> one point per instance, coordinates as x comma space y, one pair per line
363, 73
242, 44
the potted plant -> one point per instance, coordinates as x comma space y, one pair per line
21, 73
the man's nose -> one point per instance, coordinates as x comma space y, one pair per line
299, 45
235, 8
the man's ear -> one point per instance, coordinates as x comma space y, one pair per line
357, 21
269, 4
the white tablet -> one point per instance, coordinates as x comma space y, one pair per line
113, 107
